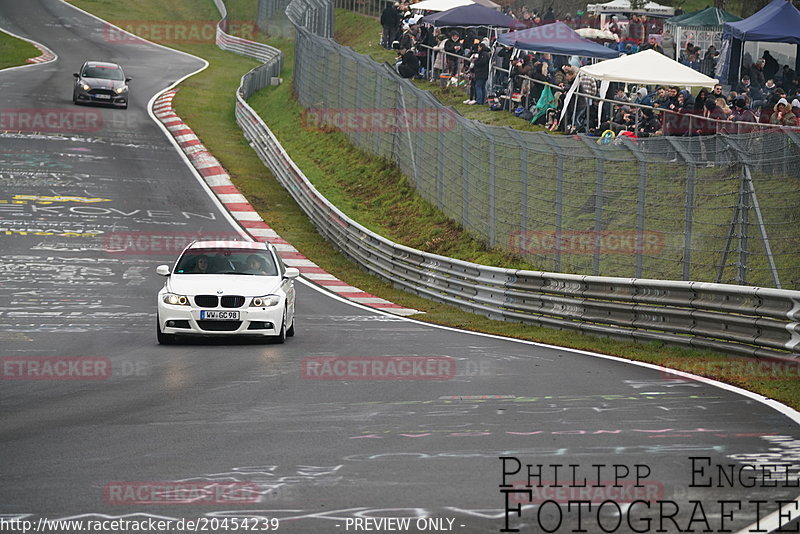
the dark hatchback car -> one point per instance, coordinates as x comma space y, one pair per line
101, 83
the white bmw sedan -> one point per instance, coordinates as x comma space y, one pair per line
227, 288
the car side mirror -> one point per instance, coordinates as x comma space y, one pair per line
76, 74
291, 273
128, 79
163, 270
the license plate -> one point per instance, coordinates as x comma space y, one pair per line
211, 315
103, 97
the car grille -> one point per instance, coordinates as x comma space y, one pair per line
232, 301
219, 326
206, 301
102, 92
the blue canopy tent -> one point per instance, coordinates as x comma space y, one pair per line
556, 38
778, 22
471, 15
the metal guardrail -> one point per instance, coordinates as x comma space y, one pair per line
736, 319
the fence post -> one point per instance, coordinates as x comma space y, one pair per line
744, 209
492, 193
465, 182
687, 223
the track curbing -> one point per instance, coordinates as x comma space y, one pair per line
218, 180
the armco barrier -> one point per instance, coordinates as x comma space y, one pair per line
737, 319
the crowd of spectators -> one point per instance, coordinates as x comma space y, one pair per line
533, 86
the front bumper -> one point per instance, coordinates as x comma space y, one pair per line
185, 321
102, 98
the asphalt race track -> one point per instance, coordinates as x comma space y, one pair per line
302, 445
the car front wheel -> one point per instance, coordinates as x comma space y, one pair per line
163, 339
281, 337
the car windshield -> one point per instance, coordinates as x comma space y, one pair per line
227, 261
104, 73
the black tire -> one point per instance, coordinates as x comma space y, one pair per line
281, 337
164, 339
290, 331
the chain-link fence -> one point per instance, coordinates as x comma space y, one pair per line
718, 208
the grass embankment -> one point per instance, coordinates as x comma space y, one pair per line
370, 190
14, 52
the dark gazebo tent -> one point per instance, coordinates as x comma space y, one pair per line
779, 22
556, 38
472, 15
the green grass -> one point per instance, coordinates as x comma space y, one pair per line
205, 101
14, 52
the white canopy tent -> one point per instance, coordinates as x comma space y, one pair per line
643, 68
445, 5
647, 67
624, 6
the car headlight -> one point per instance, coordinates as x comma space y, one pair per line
121, 90
266, 301
175, 300
86, 87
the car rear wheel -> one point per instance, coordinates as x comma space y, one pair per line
164, 339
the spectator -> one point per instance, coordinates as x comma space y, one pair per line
652, 44
716, 92
636, 30
481, 72
788, 79
771, 65
796, 111
693, 62
453, 46
685, 101
740, 112
661, 99
439, 57
732, 96
549, 16
700, 101
668, 44
408, 67
407, 39
390, 21
783, 115
614, 27
672, 96
757, 76
709, 63
650, 125
722, 104
642, 97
